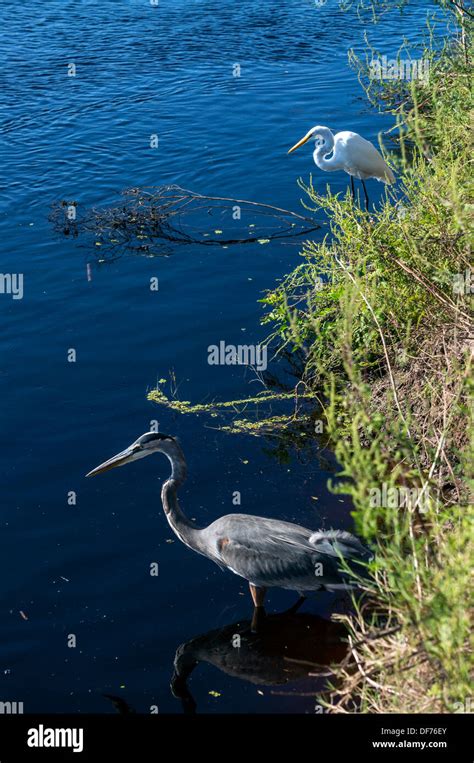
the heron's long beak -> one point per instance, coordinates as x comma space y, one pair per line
300, 142
119, 460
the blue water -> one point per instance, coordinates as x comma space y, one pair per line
143, 70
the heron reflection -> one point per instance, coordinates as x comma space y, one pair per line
288, 647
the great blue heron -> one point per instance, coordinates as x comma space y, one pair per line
265, 552
351, 153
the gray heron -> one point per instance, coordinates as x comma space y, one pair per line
351, 153
266, 552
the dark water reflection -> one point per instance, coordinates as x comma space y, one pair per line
286, 650
289, 657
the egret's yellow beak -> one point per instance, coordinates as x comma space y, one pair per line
300, 142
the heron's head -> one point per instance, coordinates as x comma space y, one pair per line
319, 133
145, 445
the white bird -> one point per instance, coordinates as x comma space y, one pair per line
351, 153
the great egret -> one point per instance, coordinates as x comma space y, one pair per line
265, 552
351, 153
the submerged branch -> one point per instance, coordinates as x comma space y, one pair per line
152, 220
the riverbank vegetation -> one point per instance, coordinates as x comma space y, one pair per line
381, 312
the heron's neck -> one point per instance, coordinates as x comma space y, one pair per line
319, 155
186, 530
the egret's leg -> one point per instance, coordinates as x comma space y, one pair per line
352, 188
366, 196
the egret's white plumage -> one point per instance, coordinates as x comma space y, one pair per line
350, 152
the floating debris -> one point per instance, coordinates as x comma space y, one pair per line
170, 215
258, 427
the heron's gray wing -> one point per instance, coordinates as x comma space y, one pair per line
268, 564
271, 552
339, 543
266, 552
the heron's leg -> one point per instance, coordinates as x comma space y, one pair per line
366, 196
258, 594
296, 606
258, 617
352, 188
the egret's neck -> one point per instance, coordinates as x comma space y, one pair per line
186, 530
324, 149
